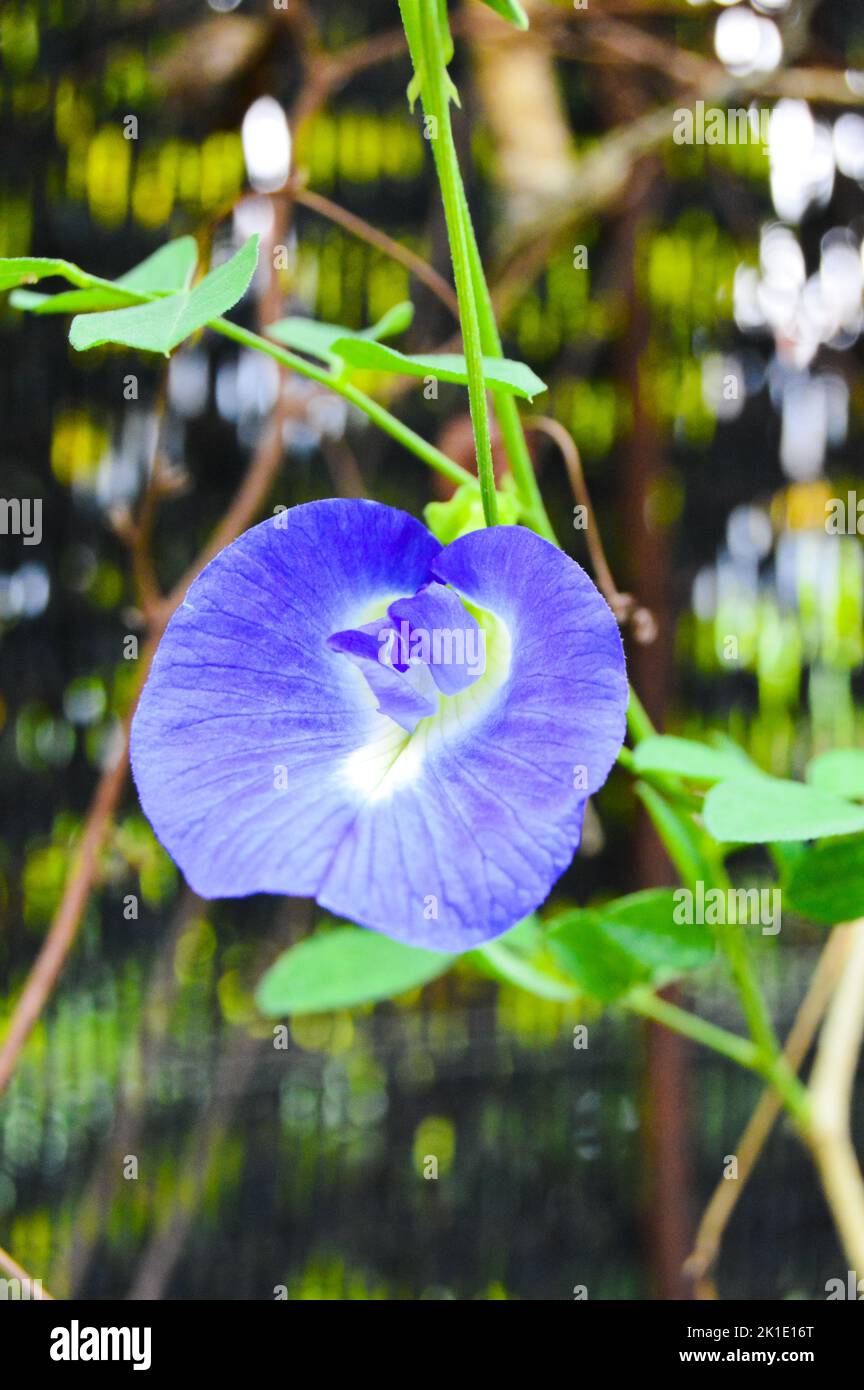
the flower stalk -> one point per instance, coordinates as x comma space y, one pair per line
430, 65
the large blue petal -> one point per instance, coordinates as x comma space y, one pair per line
482, 810
264, 765
247, 718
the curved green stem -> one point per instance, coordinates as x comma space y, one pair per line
639, 723
507, 965
686, 848
436, 105
645, 1002
378, 414
504, 405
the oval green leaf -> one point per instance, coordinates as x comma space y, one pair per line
840, 771
342, 969
826, 882
501, 373
162, 324
317, 339
756, 810
168, 269
633, 941
686, 758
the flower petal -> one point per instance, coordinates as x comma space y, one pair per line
481, 811
406, 694
247, 717
264, 765
450, 634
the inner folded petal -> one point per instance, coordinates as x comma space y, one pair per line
405, 693
440, 632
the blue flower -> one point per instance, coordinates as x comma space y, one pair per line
343, 709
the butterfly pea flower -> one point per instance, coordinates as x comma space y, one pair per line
344, 709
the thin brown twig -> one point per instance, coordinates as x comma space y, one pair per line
624, 606
364, 231
363, 54
64, 927
247, 501
136, 532
603, 172
635, 46
727, 1193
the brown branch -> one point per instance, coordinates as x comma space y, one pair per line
623, 605
421, 269
602, 174
247, 502
64, 927
136, 533
363, 54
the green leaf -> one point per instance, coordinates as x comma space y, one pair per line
756, 810
633, 941
170, 268
309, 336
826, 882
27, 270
162, 324
841, 771
514, 968
526, 938
396, 320
501, 373
69, 301
317, 339
521, 957
510, 10
343, 968
684, 757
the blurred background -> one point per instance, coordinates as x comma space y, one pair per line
696, 310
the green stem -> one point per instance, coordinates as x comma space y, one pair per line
643, 1001
775, 1070
463, 241
684, 846
506, 964
639, 723
375, 412
733, 943
505, 407
678, 835
436, 105
681, 840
